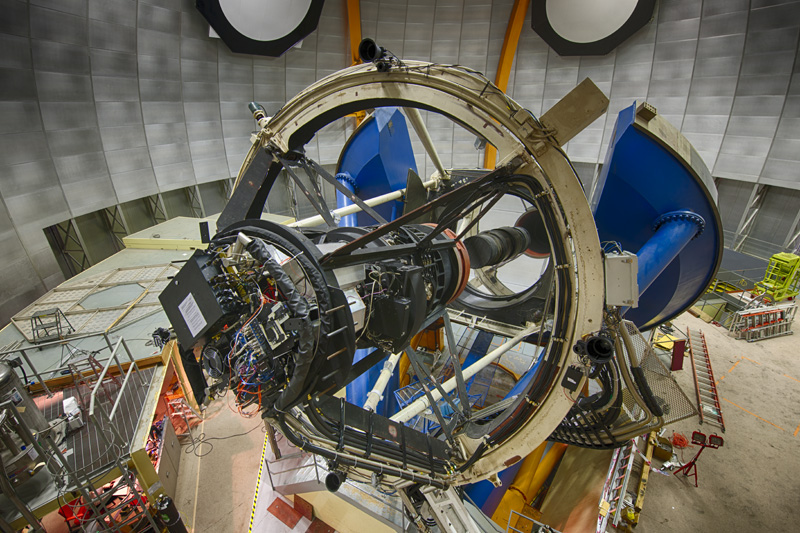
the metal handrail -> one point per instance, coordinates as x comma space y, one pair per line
85, 485
54, 343
133, 366
119, 392
22, 350
102, 377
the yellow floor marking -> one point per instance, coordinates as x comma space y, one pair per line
258, 482
796, 431
751, 413
751, 360
790, 377
734, 366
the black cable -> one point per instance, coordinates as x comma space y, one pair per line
305, 445
194, 446
379, 446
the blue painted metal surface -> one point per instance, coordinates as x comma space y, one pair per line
377, 157
677, 230
486, 496
642, 179
347, 221
483, 493
375, 161
357, 390
526, 378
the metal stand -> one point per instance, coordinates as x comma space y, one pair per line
449, 511
447, 508
690, 468
47, 325
764, 322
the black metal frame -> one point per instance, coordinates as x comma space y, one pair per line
642, 14
242, 44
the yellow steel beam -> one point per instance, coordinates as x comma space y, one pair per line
652, 442
507, 53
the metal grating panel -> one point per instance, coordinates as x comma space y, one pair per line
68, 298
666, 390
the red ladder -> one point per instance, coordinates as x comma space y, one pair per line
704, 383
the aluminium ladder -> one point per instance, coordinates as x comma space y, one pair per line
705, 386
764, 322
619, 473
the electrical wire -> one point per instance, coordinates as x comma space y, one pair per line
201, 439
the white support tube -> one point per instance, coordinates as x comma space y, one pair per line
417, 406
422, 132
376, 393
316, 220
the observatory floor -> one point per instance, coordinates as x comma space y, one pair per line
750, 484
747, 485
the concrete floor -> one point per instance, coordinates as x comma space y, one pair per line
215, 492
752, 483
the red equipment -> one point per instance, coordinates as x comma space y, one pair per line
713, 441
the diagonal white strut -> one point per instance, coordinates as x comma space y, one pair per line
422, 132
316, 220
419, 405
376, 393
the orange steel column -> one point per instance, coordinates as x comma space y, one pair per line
529, 491
507, 53
517, 496
354, 29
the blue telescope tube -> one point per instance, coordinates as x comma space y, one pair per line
674, 230
343, 201
359, 388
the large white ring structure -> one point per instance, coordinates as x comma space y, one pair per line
471, 100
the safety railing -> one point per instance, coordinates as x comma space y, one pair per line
80, 480
520, 523
102, 419
23, 352
740, 298
133, 366
300, 471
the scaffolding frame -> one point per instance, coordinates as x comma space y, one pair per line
81, 483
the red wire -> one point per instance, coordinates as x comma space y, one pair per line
679, 440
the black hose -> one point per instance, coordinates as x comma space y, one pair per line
299, 308
381, 447
311, 268
305, 445
645, 391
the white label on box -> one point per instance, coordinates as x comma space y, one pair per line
33, 453
16, 398
192, 315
